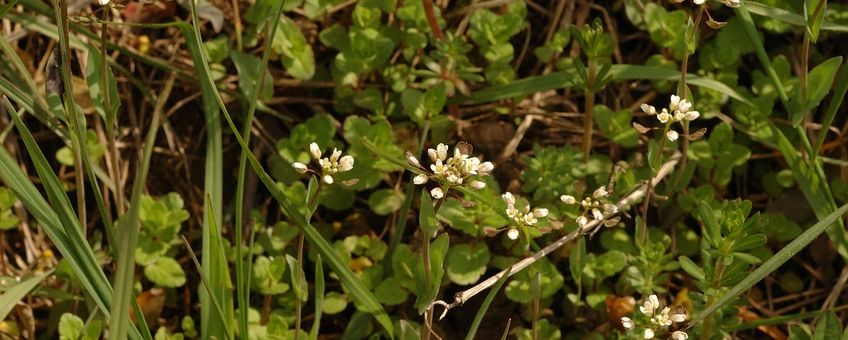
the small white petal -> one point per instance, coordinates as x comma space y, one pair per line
678, 317
486, 167
508, 198
699, 2
477, 185
600, 193
315, 150
672, 135
582, 220
541, 212
649, 333
568, 199
679, 335
334, 157
655, 302
103, 2
437, 193
674, 102
299, 167
512, 234
597, 214
412, 160
346, 163
420, 179
664, 116
610, 209
433, 155
692, 115
328, 179
627, 323
648, 109
442, 151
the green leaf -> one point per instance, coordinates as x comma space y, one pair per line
390, 292
577, 261
426, 216
819, 82
94, 77
71, 327
334, 303
301, 287
13, 294
165, 272
268, 275
295, 53
828, 327
773, 263
248, 67
693, 269
467, 262
385, 201
814, 11
519, 289
438, 251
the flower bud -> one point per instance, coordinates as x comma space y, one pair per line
300, 167
314, 150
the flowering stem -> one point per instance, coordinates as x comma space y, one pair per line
683, 95
589, 96
299, 304
425, 249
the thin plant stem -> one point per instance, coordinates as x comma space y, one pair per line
716, 283
588, 123
298, 303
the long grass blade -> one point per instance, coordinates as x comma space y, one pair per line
319, 298
478, 318
127, 236
357, 289
773, 263
242, 280
204, 281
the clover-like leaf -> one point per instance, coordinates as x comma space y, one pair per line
165, 272
467, 262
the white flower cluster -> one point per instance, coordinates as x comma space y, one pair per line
525, 217
329, 165
657, 320
594, 206
451, 171
678, 110
728, 3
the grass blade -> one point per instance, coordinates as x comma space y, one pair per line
203, 280
839, 89
773, 263
15, 293
485, 306
127, 236
789, 17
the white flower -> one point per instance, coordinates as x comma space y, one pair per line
600, 193
419, 179
508, 198
541, 212
486, 167
692, 115
662, 318
648, 109
663, 117
672, 135
314, 150
678, 317
679, 335
674, 103
299, 167
568, 199
679, 115
512, 234
437, 193
597, 214
650, 305
582, 220
442, 151
649, 333
610, 209
477, 185
328, 179
699, 2
346, 163
412, 160
627, 323
103, 2
684, 106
